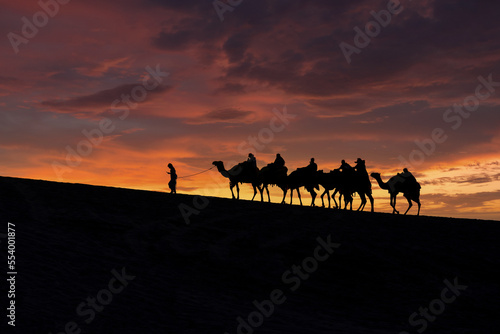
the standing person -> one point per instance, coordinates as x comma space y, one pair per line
173, 179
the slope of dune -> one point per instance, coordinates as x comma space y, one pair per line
111, 260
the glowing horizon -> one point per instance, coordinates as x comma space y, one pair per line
126, 87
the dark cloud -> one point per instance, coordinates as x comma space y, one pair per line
15, 134
308, 60
8, 80
186, 6
463, 201
230, 89
293, 45
103, 98
470, 179
228, 115
236, 45
174, 41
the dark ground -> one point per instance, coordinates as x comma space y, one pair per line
199, 278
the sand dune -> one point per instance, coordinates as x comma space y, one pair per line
78, 241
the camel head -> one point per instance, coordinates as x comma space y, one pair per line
219, 165
221, 168
375, 175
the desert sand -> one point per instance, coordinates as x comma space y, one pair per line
73, 241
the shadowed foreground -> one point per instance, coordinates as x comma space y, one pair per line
199, 278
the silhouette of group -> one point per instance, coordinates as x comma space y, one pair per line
345, 180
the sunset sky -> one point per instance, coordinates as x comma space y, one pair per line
229, 79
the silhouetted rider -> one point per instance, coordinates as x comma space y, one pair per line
407, 175
279, 162
252, 162
312, 165
345, 167
360, 165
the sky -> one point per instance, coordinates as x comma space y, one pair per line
109, 92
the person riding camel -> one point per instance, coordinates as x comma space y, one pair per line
279, 162
407, 176
360, 165
312, 165
252, 162
345, 167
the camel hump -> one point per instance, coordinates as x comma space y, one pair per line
393, 181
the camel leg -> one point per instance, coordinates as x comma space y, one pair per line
238, 190
363, 201
261, 191
418, 202
268, 197
334, 200
347, 200
322, 201
231, 186
393, 201
254, 192
291, 196
284, 196
410, 204
371, 201
313, 195
300, 199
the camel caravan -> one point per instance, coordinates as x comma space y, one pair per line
345, 180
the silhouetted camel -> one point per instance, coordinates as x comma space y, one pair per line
397, 184
302, 177
347, 198
343, 183
269, 175
329, 181
353, 180
362, 184
345, 188
241, 173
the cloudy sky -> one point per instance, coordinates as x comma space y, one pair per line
399, 84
